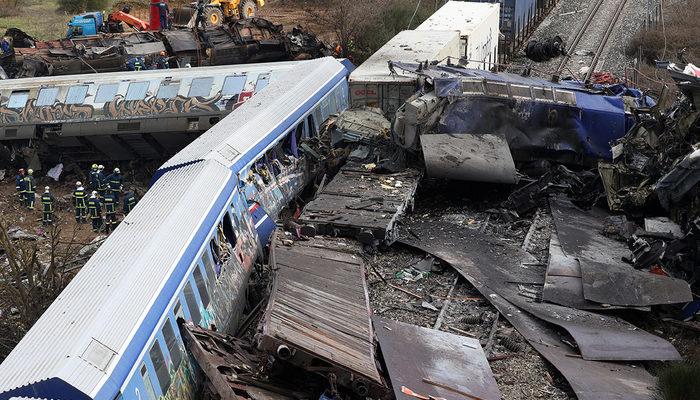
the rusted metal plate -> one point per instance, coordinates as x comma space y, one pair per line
319, 312
434, 363
606, 278
362, 204
487, 262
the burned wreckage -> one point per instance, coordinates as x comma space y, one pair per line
251, 40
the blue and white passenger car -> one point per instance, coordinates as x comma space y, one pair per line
186, 251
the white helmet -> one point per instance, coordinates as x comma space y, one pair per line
30, 171
117, 171
46, 188
101, 166
94, 193
78, 183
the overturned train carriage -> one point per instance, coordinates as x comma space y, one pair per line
512, 116
185, 252
121, 116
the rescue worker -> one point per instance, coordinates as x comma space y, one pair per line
95, 210
19, 184
136, 64
110, 211
129, 201
94, 182
102, 182
114, 181
29, 187
200, 22
79, 200
47, 201
163, 12
162, 61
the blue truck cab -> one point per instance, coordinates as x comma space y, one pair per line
86, 24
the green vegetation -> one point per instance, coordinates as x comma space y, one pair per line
679, 381
39, 18
80, 6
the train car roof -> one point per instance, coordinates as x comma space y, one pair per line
257, 123
464, 16
85, 345
176, 73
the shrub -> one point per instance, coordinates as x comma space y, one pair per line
10, 8
679, 381
80, 6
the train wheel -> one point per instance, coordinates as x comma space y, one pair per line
213, 16
248, 9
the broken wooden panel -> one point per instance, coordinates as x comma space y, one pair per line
606, 278
318, 314
362, 204
433, 363
491, 263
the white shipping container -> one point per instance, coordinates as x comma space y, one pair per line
477, 24
372, 84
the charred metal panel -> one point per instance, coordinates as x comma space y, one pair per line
318, 315
491, 263
434, 363
602, 269
477, 158
362, 204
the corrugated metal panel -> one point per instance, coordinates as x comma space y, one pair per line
255, 120
463, 16
111, 295
27, 83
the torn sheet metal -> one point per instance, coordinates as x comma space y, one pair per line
318, 314
498, 265
469, 157
684, 177
606, 279
429, 361
362, 124
361, 204
563, 283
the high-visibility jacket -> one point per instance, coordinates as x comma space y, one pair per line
79, 198
110, 206
115, 181
94, 207
101, 181
94, 179
47, 200
129, 202
29, 184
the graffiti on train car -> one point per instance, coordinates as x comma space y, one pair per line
183, 385
31, 113
122, 108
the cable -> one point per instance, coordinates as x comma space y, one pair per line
414, 15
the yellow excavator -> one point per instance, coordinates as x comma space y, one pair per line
217, 12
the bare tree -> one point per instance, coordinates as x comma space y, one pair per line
32, 275
347, 19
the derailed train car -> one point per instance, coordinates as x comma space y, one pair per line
121, 116
511, 119
184, 253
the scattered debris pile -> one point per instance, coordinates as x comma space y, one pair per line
241, 41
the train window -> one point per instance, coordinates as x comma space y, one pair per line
178, 311
317, 117
76, 94
324, 109
106, 92
332, 104
137, 91
216, 254
171, 343
263, 80
18, 99
201, 286
161, 367
147, 383
200, 87
191, 302
168, 91
229, 232
233, 85
47, 96
312, 125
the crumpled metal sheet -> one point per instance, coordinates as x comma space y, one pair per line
606, 279
680, 180
469, 157
487, 262
414, 354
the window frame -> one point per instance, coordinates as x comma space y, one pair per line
99, 94
203, 289
168, 84
140, 84
39, 103
147, 382
193, 306
82, 95
167, 380
225, 92
171, 343
196, 89
264, 77
23, 93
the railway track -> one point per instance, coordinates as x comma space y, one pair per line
592, 37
